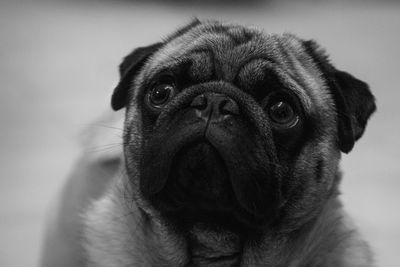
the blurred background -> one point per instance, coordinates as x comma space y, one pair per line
58, 66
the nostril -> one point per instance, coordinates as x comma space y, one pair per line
199, 102
229, 106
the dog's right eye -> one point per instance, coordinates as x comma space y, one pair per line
160, 94
282, 113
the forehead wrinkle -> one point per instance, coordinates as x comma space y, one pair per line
304, 71
218, 43
292, 84
210, 35
231, 56
268, 48
176, 52
296, 71
181, 48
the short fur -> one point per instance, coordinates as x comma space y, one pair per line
290, 216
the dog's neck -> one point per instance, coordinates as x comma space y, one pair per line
111, 225
320, 242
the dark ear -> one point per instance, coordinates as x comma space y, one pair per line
353, 99
130, 67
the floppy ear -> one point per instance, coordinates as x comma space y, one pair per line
130, 67
353, 99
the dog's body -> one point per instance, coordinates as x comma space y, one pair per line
230, 156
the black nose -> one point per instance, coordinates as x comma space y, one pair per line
218, 106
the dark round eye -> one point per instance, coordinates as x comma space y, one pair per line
283, 114
160, 95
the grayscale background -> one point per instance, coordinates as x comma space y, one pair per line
58, 66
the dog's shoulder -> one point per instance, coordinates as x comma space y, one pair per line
101, 141
97, 166
99, 162
334, 240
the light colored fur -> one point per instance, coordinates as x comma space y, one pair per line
109, 230
102, 220
116, 235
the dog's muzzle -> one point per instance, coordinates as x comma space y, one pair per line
199, 174
207, 159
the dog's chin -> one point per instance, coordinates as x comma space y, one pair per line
199, 190
199, 179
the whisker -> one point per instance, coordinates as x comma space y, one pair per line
104, 148
104, 126
107, 145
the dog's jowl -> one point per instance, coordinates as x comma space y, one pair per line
229, 157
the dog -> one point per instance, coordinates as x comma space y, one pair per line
229, 157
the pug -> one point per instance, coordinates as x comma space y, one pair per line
229, 156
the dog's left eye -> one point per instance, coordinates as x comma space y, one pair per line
160, 94
283, 114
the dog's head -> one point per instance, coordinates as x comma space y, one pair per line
233, 127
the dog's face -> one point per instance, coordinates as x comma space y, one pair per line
231, 127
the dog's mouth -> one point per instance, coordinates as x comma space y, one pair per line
215, 183
199, 178
202, 168
199, 188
